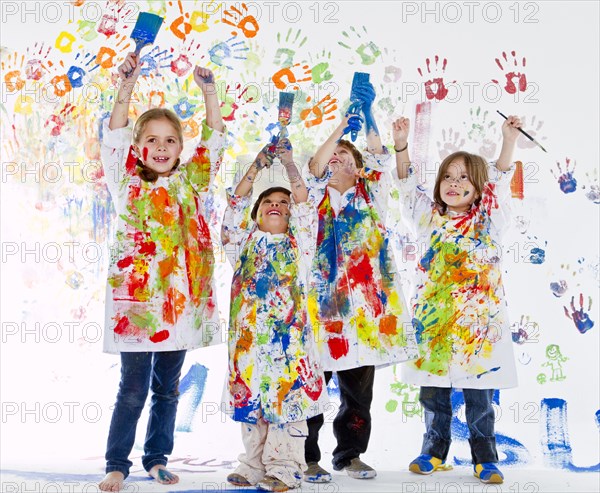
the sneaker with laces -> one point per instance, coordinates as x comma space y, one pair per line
270, 483
487, 472
427, 464
316, 474
357, 469
238, 480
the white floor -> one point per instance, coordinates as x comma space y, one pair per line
198, 475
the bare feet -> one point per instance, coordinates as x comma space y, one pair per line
113, 481
162, 476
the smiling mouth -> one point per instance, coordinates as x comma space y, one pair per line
161, 159
273, 213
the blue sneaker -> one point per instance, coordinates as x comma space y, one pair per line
427, 464
487, 472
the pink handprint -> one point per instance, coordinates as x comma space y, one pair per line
520, 77
566, 180
580, 318
435, 88
451, 143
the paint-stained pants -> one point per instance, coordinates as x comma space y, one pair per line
139, 372
438, 420
273, 450
352, 424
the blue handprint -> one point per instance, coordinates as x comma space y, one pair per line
580, 318
566, 180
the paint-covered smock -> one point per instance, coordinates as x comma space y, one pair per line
356, 303
160, 294
273, 366
460, 314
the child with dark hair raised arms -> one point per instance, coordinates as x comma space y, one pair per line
274, 381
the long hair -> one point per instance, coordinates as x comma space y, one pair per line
144, 172
477, 169
263, 195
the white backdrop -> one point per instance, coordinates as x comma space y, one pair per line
57, 387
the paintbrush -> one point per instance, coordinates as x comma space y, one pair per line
284, 117
144, 32
358, 80
524, 133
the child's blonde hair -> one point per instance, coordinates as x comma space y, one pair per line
477, 169
145, 173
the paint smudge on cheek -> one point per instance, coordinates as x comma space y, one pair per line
145, 153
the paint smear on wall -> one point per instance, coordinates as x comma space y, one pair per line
556, 444
191, 390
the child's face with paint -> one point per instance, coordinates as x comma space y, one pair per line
273, 213
342, 163
456, 189
159, 146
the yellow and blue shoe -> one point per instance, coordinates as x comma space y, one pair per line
487, 472
427, 464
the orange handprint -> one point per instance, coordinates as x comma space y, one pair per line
319, 112
288, 73
247, 23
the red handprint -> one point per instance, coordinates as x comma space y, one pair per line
313, 384
435, 88
520, 77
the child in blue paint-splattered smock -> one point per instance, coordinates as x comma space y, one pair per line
356, 302
274, 381
160, 298
459, 311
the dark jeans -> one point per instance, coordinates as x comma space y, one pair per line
438, 419
140, 371
352, 424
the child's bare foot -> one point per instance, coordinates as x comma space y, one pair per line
162, 475
113, 481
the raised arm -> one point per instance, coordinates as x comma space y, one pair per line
285, 152
120, 113
400, 130
263, 159
205, 80
510, 133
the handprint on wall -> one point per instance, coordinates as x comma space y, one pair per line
435, 87
566, 180
516, 80
580, 318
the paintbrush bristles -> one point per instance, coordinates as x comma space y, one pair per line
359, 79
286, 103
145, 30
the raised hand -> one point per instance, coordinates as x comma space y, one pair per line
285, 151
400, 130
204, 78
353, 124
131, 67
365, 95
510, 128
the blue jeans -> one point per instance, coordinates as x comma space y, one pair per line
140, 371
438, 419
